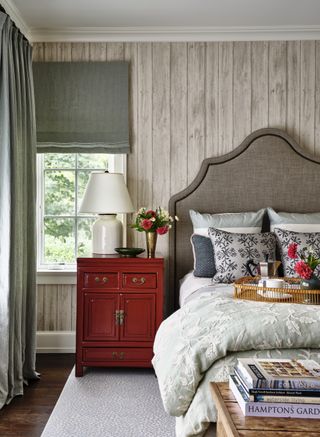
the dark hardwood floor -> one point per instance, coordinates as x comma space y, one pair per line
27, 415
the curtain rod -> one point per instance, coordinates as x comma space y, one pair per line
2, 9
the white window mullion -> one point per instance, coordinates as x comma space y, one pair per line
116, 163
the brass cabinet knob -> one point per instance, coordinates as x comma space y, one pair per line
97, 279
121, 355
139, 281
116, 315
105, 279
121, 317
114, 355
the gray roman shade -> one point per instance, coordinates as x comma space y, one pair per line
81, 107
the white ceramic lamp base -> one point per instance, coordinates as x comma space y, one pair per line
106, 234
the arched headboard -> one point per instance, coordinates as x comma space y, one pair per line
268, 169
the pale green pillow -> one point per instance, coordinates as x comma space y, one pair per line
238, 222
294, 221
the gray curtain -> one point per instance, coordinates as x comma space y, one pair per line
17, 213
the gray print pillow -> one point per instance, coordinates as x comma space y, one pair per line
303, 239
232, 251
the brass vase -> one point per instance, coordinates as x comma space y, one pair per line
151, 239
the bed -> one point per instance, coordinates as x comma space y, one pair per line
201, 341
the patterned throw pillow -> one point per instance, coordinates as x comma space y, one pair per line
303, 239
203, 256
232, 251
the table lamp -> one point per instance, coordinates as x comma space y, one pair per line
106, 195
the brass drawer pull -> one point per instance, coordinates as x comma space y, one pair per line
121, 317
105, 279
114, 355
116, 315
121, 355
136, 280
97, 279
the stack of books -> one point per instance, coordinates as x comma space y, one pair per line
277, 387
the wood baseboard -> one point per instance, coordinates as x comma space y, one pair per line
56, 342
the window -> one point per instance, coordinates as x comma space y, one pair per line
64, 233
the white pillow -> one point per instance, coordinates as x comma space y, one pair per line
294, 221
237, 222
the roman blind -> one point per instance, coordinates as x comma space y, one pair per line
81, 107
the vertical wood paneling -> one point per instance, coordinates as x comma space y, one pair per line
38, 52
192, 100
144, 110
144, 141
317, 102
212, 99
64, 52
161, 123
178, 117
97, 51
80, 51
307, 109
131, 55
277, 83
64, 314
115, 51
225, 97
241, 91
40, 312
73, 291
196, 108
293, 89
50, 52
161, 129
259, 84
50, 308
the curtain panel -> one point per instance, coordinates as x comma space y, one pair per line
17, 213
82, 107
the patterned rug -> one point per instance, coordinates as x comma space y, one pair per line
110, 403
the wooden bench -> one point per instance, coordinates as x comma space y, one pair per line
232, 423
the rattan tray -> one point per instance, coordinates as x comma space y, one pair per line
247, 288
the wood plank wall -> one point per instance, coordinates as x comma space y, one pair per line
189, 101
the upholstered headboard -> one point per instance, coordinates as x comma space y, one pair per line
268, 169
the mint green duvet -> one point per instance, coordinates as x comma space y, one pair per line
200, 343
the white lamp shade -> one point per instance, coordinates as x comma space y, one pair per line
106, 193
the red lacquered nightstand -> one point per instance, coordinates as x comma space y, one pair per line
119, 309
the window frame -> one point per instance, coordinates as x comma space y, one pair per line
117, 164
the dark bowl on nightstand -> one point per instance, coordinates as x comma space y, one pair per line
129, 252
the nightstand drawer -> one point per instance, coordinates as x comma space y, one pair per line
139, 280
117, 354
101, 280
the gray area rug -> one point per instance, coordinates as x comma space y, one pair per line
110, 403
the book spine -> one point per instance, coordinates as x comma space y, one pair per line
273, 392
294, 411
294, 384
285, 399
246, 378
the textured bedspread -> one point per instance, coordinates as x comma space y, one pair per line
200, 342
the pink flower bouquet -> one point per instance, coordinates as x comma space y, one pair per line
149, 220
307, 260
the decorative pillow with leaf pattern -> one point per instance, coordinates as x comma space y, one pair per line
303, 239
232, 251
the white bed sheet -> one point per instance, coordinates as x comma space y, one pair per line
192, 287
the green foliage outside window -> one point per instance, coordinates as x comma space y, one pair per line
67, 233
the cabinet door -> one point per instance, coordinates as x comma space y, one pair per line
100, 316
139, 317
